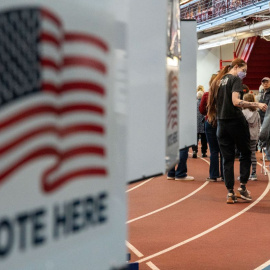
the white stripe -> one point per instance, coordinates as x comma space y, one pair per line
211, 229
261, 267
51, 28
84, 49
152, 266
140, 184
48, 50
134, 250
78, 73
169, 205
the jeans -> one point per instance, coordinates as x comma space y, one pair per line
231, 132
216, 166
181, 170
203, 143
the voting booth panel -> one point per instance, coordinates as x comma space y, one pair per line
188, 75
173, 56
60, 191
150, 138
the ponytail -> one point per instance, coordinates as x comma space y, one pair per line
213, 91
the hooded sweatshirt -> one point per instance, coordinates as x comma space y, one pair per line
254, 122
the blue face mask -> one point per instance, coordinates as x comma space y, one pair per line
241, 75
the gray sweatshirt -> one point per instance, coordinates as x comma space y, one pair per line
254, 122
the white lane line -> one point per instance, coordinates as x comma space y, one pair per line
211, 229
140, 184
152, 266
169, 205
263, 265
134, 250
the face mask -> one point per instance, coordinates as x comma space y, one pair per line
242, 75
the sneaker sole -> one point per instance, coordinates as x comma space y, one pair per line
183, 179
243, 197
170, 178
231, 201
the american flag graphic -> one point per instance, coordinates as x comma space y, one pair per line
52, 98
172, 118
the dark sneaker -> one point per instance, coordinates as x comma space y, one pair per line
194, 154
204, 155
211, 179
231, 198
253, 177
243, 194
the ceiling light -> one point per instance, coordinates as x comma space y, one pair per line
216, 44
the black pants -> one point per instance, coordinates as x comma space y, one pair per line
231, 132
203, 143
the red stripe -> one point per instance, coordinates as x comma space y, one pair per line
87, 86
172, 109
174, 95
50, 109
84, 62
52, 151
64, 132
42, 152
172, 103
49, 38
73, 85
81, 172
45, 13
49, 63
50, 87
174, 124
86, 38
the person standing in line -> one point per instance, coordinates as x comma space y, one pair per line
200, 88
253, 118
224, 106
181, 172
265, 96
265, 133
200, 130
216, 167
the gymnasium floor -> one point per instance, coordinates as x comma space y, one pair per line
175, 225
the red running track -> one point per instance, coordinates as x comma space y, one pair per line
174, 225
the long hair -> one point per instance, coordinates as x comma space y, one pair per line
214, 87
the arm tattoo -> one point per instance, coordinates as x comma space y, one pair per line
245, 104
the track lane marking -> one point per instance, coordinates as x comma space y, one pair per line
140, 185
134, 250
152, 266
169, 205
211, 229
264, 265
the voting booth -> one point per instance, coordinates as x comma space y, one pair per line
62, 199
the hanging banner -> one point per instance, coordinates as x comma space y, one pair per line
173, 56
59, 191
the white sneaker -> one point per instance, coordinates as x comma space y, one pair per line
187, 178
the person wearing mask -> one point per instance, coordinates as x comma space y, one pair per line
265, 96
225, 107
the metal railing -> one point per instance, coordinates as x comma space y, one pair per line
204, 10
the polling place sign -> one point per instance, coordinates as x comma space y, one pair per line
61, 200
